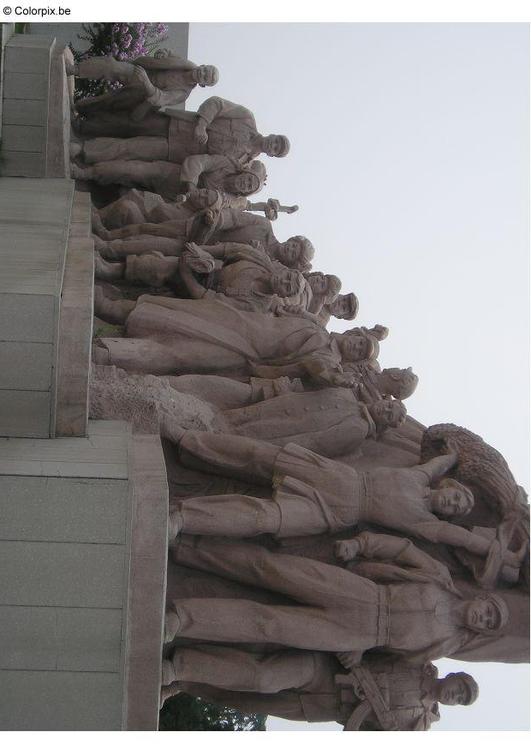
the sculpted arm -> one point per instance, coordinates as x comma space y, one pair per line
324, 373
437, 467
196, 290
194, 166
387, 548
215, 106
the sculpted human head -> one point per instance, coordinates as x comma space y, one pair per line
486, 614
242, 183
297, 252
398, 382
451, 498
457, 689
205, 75
324, 284
345, 306
388, 413
275, 145
357, 345
287, 282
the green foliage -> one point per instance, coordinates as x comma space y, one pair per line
184, 713
123, 41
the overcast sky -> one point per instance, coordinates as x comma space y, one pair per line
410, 163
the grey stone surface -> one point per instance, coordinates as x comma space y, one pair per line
64, 558
34, 224
22, 137
61, 574
147, 582
27, 317
68, 701
70, 639
25, 86
25, 413
30, 366
24, 112
64, 509
75, 325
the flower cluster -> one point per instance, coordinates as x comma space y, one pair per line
123, 41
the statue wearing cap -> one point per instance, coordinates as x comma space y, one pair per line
219, 127
400, 600
312, 686
150, 83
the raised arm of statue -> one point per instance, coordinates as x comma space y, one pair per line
165, 62
323, 372
215, 106
196, 290
437, 467
401, 552
194, 166
230, 250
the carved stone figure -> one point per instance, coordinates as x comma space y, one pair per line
418, 616
312, 686
149, 85
173, 180
314, 495
344, 307
329, 421
178, 336
392, 381
218, 127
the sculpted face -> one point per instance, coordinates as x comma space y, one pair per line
453, 691
450, 501
203, 198
399, 382
318, 283
273, 145
387, 413
246, 183
206, 75
353, 347
289, 252
483, 615
285, 284
340, 307
243, 183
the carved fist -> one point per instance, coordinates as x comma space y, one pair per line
271, 209
139, 77
210, 216
348, 659
343, 381
200, 133
347, 549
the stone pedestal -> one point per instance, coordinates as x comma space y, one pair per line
82, 580
46, 293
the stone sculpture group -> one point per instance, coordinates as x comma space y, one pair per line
324, 547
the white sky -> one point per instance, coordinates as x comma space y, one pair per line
410, 164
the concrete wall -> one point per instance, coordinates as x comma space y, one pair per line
83, 548
64, 554
26, 78
34, 227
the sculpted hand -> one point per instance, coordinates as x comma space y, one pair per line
200, 133
271, 209
343, 381
139, 77
347, 549
210, 217
348, 659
